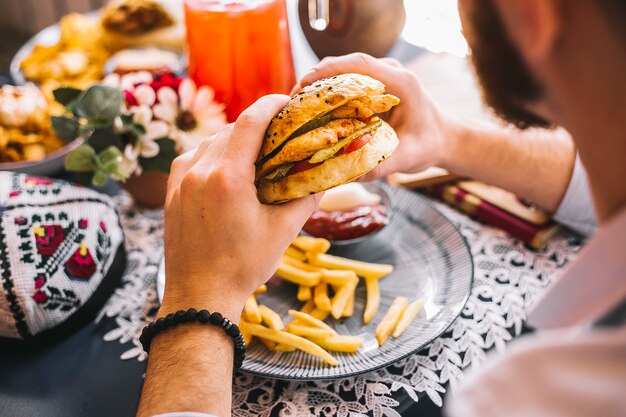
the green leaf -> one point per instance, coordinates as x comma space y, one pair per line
65, 128
127, 119
109, 159
99, 103
81, 159
136, 129
101, 139
163, 161
100, 178
65, 95
96, 124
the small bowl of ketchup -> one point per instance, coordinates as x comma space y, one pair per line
350, 213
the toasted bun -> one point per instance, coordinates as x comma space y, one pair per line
316, 100
333, 172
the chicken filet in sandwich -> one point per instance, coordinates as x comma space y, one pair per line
328, 134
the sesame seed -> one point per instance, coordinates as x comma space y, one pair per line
275, 133
330, 88
318, 94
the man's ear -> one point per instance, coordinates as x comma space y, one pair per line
532, 25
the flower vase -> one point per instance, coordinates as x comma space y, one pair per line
148, 189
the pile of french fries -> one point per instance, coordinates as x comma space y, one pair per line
326, 285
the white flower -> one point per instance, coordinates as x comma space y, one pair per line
145, 95
145, 147
194, 117
142, 114
127, 81
130, 162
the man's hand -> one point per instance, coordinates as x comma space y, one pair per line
220, 242
419, 123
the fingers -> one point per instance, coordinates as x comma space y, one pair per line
392, 61
385, 69
209, 157
295, 89
185, 162
291, 216
247, 135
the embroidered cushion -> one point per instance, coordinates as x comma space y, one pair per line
61, 256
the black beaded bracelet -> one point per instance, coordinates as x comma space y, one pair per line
190, 316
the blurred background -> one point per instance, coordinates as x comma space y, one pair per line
433, 25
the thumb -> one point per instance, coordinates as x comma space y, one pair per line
292, 215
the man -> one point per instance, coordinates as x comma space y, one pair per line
541, 63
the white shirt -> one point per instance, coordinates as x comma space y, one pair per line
570, 367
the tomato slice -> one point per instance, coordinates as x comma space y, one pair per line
357, 143
302, 166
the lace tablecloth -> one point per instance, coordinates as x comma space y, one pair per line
508, 278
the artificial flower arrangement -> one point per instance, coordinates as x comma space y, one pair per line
135, 123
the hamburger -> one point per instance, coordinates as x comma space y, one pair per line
328, 134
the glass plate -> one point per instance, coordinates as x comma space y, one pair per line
431, 260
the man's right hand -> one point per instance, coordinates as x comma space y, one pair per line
420, 125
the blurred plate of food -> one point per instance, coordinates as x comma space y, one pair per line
75, 52
27, 140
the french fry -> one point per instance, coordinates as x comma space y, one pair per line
311, 321
271, 318
320, 296
291, 340
372, 301
304, 293
363, 269
271, 345
298, 276
348, 310
337, 343
306, 331
301, 265
280, 347
251, 310
247, 337
320, 314
407, 317
308, 306
339, 301
389, 322
295, 253
311, 244
338, 277
261, 290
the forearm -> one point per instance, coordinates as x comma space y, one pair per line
189, 369
535, 165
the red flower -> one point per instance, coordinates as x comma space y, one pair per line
14, 194
83, 223
40, 297
130, 98
103, 226
166, 80
20, 221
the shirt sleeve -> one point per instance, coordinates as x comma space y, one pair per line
185, 414
553, 373
576, 209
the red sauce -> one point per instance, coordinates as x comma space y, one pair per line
344, 225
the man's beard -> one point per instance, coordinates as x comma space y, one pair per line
507, 84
